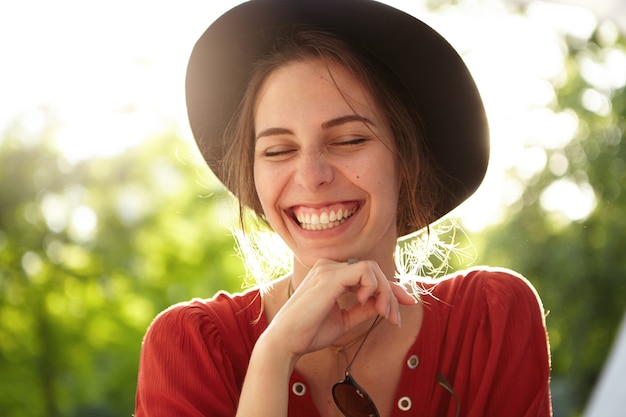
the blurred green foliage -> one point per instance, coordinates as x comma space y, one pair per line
578, 267
90, 252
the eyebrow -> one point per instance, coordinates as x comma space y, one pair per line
325, 125
346, 119
273, 131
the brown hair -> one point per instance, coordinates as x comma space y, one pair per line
421, 188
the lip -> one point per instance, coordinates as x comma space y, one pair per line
323, 217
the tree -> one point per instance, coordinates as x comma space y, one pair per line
89, 254
576, 264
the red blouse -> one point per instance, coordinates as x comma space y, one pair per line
483, 331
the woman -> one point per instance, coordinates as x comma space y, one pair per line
343, 125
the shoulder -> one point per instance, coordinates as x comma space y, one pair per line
195, 354
494, 285
207, 318
492, 325
487, 295
222, 305
492, 300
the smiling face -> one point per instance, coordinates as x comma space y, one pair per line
324, 170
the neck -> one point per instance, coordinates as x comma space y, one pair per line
357, 341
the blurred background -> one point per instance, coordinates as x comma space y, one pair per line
108, 215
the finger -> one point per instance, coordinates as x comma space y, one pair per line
385, 300
369, 278
358, 314
403, 296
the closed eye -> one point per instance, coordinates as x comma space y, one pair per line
275, 152
351, 142
270, 154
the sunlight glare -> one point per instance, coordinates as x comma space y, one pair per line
567, 200
114, 73
530, 162
32, 264
607, 71
83, 224
596, 102
568, 19
515, 61
55, 212
558, 164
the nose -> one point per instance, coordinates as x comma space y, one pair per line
313, 171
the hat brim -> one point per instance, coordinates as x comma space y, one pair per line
448, 101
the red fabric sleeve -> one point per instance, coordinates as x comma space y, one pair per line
500, 364
185, 370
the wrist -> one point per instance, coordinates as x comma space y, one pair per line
267, 380
271, 350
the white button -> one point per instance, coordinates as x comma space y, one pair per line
405, 404
413, 362
298, 388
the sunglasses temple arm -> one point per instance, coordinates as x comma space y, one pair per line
362, 343
446, 385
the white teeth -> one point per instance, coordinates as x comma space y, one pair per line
324, 220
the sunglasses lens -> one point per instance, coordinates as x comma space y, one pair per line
352, 400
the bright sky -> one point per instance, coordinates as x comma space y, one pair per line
114, 72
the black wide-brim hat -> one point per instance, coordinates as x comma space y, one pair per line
451, 110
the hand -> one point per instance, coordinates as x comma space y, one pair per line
332, 299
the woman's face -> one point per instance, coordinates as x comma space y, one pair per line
324, 171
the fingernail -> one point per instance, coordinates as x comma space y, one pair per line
387, 312
399, 319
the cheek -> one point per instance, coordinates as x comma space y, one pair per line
268, 185
259, 186
392, 180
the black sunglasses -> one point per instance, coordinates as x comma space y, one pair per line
351, 399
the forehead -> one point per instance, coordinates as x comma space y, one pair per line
324, 87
